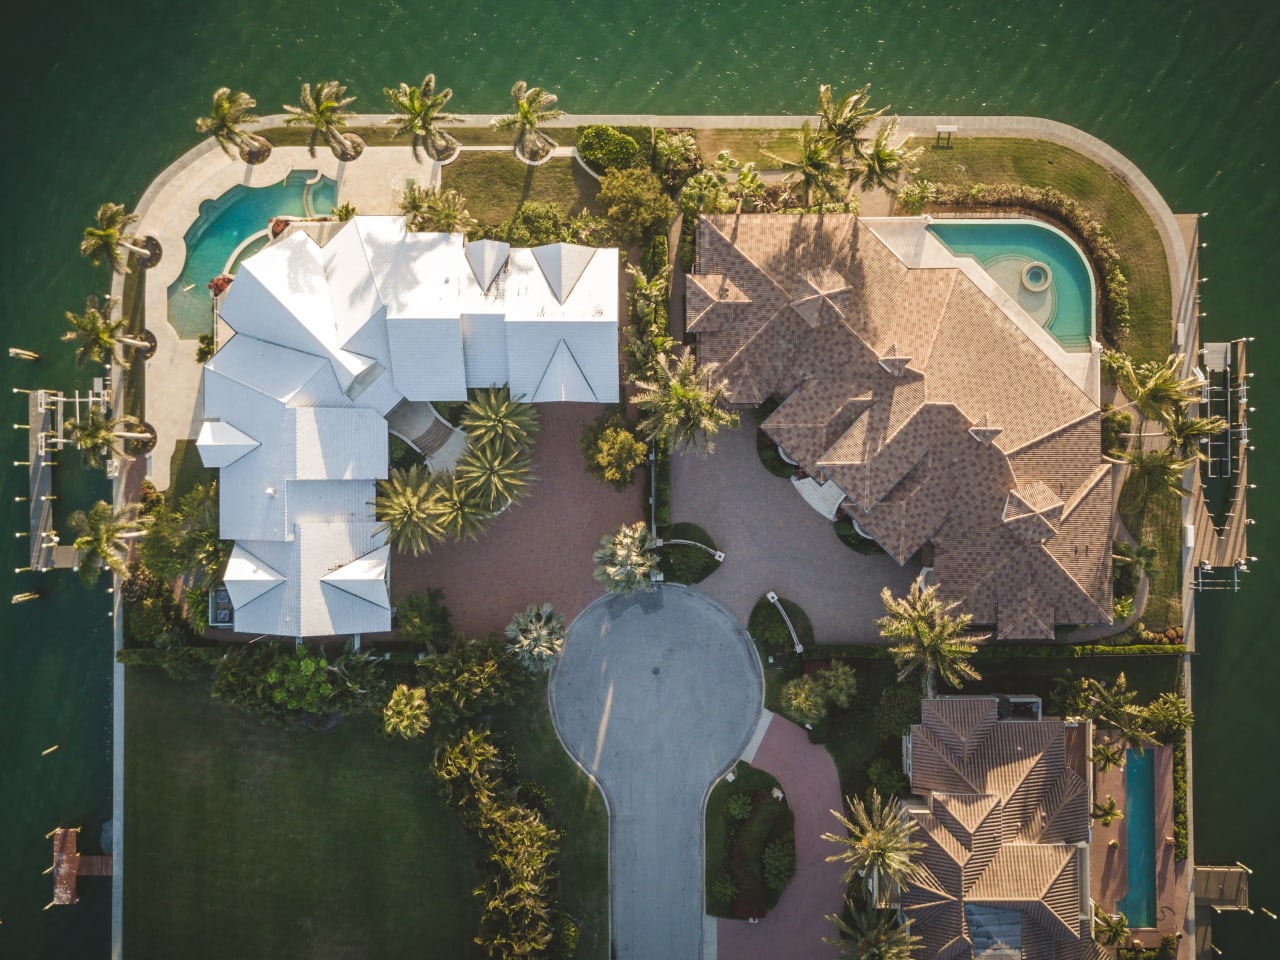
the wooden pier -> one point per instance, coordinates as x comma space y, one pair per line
69, 865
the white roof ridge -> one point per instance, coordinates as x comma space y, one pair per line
562, 264
563, 379
487, 258
247, 577
364, 577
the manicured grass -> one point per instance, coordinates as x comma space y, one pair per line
495, 184
246, 840
187, 470
580, 816
994, 160
1160, 525
749, 146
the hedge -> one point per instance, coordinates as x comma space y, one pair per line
998, 651
606, 148
1181, 844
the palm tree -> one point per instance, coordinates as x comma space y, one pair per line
406, 714
457, 511
419, 111
1168, 716
1112, 929
883, 164
98, 335
818, 168
492, 416
933, 641
415, 207
494, 474
103, 538
230, 110
1113, 705
625, 558
95, 434
1189, 435
407, 503
1108, 754
107, 237
1106, 813
531, 106
325, 112
1155, 389
877, 845
681, 404
1149, 471
873, 934
846, 119
448, 213
537, 636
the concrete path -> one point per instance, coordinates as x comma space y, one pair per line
656, 696
773, 540
797, 927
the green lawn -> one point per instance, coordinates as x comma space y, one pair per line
495, 184
1160, 526
187, 470
750, 146
1107, 198
580, 815
245, 840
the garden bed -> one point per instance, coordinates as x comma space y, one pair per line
681, 563
736, 845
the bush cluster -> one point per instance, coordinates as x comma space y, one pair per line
1115, 424
1056, 204
607, 148
611, 451
1181, 847
685, 564
746, 856
766, 626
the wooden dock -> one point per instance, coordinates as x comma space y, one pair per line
69, 865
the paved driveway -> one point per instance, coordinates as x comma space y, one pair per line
773, 540
656, 696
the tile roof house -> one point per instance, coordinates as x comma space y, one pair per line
332, 338
941, 409
1003, 812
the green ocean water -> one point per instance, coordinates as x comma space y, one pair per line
102, 97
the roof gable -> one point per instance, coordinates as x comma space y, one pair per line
562, 264
221, 443
365, 577
247, 578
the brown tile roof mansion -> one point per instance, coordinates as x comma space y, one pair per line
909, 379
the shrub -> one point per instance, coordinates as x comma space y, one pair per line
1115, 424
898, 709
838, 683
535, 223
681, 563
1181, 847
423, 618
887, 777
780, 862
606, 148
400, 454
723, 887
565, 945
747, 857
738, 806
675, 157
610, 449
803, 701
633, 201
767, 627
205, 348
913, 197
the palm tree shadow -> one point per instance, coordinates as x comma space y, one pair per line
528, 184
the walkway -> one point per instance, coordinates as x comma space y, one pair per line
797, 926
773, 540
656, 696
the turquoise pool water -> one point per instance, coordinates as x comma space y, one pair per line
1015, 254
1139, 902
222, 229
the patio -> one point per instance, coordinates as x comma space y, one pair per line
773, 540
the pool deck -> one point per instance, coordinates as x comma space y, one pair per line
1109, 879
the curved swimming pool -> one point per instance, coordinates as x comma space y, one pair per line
1037, 265
234, 226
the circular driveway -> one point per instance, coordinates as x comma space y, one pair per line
656, 696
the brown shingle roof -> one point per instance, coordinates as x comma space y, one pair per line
1003, 827
913, 392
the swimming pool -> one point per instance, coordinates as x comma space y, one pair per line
1139, 901
1035, 264
234, 227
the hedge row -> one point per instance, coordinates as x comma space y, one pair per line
1000, 651
1056, 204
1181, 844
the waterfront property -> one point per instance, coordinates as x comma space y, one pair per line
945, 415
1004, 872
333, 339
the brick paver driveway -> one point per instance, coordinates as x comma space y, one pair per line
773, 540
656, 696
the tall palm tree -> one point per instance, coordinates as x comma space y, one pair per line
1112, 928
1155, 389
99, 336
530, 107
846, 119
96, 435
492, 416
415, 207
1188, 434
1106, 813
108, 237
407, 504
1168, 716
324, 110
682, 403
447, 213
1108, 754
419, 112
457, 511
625, 558
1149, 471
876, 846
102, 540
873, 934
933, 641
494, 474
882, 164
818, 168
230, 110
536, 637
1114, 705
406, 714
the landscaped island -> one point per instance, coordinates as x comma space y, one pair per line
899, 418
